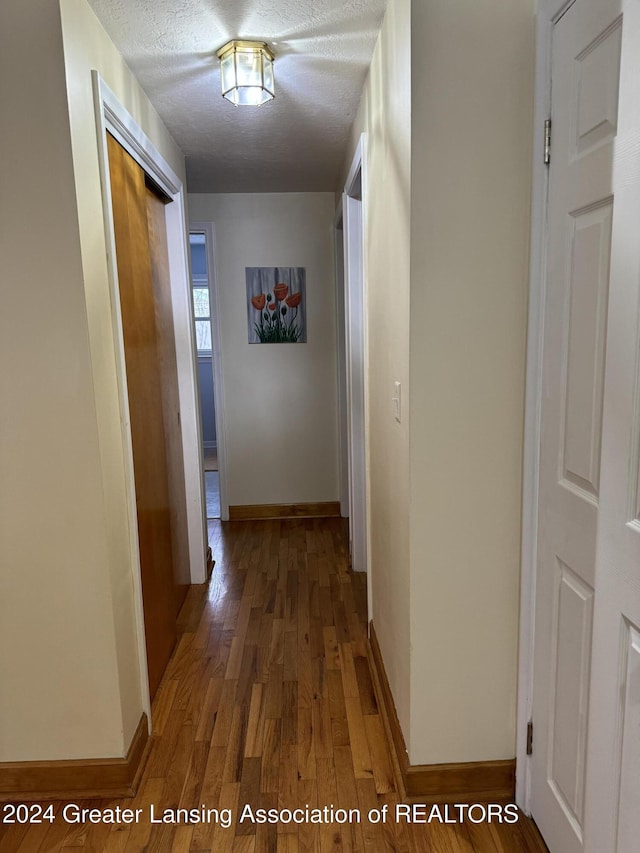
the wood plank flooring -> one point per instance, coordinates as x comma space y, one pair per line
268, 701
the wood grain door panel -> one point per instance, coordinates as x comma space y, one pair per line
146, 409
159, 255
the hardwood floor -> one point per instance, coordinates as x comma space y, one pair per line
268, 701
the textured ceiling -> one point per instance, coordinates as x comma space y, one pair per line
294, 143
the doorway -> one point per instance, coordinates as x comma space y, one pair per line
202, 325
201, 247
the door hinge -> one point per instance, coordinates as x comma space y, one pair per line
547, 141
529, 737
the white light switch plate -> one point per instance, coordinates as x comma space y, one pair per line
397, 401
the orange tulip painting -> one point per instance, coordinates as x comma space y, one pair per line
276, 305
294, 300
280, 291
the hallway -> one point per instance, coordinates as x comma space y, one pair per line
268, 701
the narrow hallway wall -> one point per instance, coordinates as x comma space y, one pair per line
60, 695
472, 77
70, 663
446, 111
385, 117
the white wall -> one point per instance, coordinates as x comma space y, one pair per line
280, 400
60, 695
472, 66
385, 117
69, 650
447, 111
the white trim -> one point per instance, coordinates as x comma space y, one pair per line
124, 128
187, 361
361, 152
208, 229
358, 167
113, 117
549, 13
339, 276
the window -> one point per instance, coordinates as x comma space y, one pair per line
200, 289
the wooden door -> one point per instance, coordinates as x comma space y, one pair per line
156, 226
145, 328
585, 80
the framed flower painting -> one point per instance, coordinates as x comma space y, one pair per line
276, 305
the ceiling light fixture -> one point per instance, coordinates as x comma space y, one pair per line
246, 70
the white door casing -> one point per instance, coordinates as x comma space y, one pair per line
612, 804
354, 317
585, 73
343, 438
356, 357
208, 229
111, 116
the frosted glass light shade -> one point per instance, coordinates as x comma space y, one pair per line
246, 72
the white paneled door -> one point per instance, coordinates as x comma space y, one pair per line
585, 793
613, 746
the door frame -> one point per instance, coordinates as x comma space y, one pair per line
208, 229
343, 437
111, 116
355, 291
548, 14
